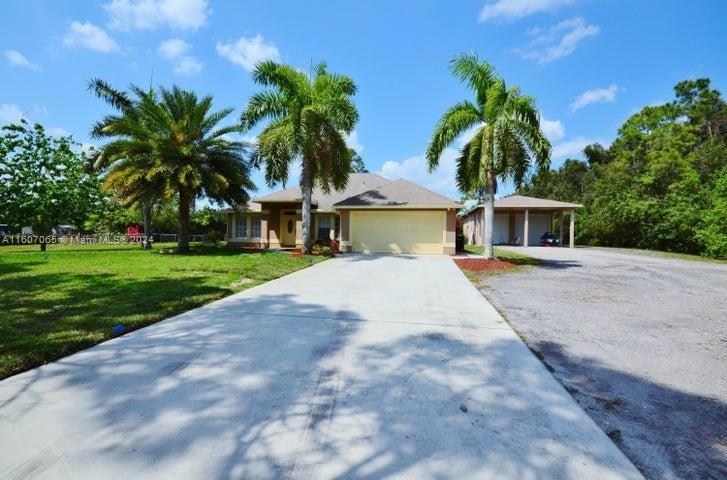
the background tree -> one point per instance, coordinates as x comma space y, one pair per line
175, 134
308, 116
357, 163
43, 181
507, 137
596, 154
661, 183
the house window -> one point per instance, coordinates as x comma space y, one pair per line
337, 230
255, 227
241, 226
324, 228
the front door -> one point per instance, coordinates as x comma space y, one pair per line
287, 228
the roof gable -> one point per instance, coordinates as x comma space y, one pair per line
357, 183
400, 193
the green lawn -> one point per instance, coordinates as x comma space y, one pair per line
71, 297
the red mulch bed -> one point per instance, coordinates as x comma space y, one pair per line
482, 264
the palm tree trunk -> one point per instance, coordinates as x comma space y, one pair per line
146, 212
183, 240
490, 188
306, 184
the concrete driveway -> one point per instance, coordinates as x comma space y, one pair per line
640, 342
360, 367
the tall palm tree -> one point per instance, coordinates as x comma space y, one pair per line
128, 178
507, 138
187, 154
308, 116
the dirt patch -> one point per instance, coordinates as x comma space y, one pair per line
483, 265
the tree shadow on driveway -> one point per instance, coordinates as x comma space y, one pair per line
676, 434
268, 387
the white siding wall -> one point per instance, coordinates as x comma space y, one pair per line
538, 224
500, 229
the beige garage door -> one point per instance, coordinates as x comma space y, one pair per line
398, 232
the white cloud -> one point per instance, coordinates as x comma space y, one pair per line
514, 9
352, 142
248, 52
597, 95
128, 15
9, 113
558, 41
174, 50
415, 169
88, 35
187, 66
553, 129
58, 131
17, 59
572, 148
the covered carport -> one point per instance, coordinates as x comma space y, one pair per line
521, 220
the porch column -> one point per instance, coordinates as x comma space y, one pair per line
526, 229
560, 230
264, 231
572, 228
299, 230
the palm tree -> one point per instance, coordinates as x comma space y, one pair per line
507, 137
185, 153
128, 178
307, 116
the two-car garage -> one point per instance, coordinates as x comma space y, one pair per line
399, 217
415, 232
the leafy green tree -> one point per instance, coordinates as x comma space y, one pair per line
713, 232
507, 139
704, 107
357, 163
171, 139
308, 116
207, 218
660, 185
568, 183
596, 154
114, 218
43, 180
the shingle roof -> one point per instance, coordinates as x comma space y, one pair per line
357, 183
521, 201
399, 193
251, 207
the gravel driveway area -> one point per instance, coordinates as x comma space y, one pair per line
640, 341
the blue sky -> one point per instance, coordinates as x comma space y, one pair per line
589, 63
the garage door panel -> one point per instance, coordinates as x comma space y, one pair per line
397, 232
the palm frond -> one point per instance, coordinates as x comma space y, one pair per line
271, 105
116, 98
454, 122
476, 74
